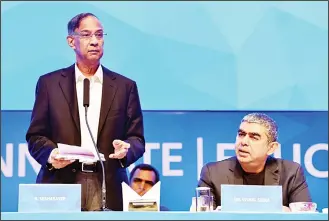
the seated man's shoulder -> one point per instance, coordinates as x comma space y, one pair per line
286, 165
226, 163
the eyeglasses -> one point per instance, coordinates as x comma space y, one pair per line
89, 35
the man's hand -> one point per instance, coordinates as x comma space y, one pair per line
120, 149
58, 163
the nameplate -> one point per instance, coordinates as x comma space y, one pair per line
49, 198
143, 205
251, 198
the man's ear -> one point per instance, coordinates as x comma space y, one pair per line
70, 41
272, 148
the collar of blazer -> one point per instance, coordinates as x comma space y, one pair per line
68, 86
69, 72
272, 172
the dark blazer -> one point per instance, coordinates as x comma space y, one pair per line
55, 119
288, 174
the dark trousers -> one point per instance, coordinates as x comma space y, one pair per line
90, 191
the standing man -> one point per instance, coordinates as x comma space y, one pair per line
114, 115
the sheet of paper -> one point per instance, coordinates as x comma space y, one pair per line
129, 194
83, 154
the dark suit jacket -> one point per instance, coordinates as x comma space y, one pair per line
288, 174
55, 119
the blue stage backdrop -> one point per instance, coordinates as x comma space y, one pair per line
179, 144
195, 52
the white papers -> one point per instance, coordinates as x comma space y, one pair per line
83, 154
130, 195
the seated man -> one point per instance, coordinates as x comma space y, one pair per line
256, 140
142, 178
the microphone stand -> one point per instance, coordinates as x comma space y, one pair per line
104, 207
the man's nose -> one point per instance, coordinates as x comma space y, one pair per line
245, 140
142, 185
93, 40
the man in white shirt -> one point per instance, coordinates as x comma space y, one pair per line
114, 115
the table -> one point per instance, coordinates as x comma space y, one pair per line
112, 215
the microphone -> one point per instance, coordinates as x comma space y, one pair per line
86, 88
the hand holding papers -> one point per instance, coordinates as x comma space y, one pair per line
132, 201
83, 154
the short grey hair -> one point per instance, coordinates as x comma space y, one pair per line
74, 23
266, 121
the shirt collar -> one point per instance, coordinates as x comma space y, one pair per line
97, 78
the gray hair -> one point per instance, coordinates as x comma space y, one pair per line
266, 121
74, 23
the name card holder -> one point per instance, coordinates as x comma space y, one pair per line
251, 198
49, 198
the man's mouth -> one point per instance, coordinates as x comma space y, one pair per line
93, 51
243, 151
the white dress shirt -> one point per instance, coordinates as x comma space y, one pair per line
95, 96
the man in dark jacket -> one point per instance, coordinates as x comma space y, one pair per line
114, 115
256, 140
